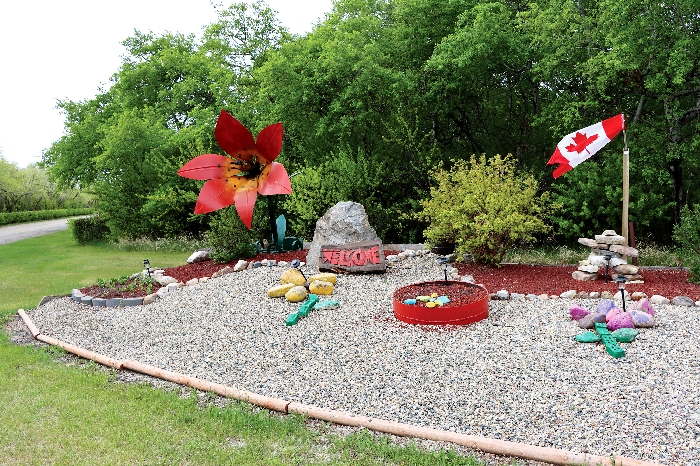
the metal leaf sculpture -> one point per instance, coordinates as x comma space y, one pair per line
248, 169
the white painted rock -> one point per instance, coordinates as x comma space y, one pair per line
658, 299
165, 280
198, 256
588, 268
584, 276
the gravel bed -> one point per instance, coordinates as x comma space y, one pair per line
518, 375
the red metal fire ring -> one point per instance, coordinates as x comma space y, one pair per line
445, 315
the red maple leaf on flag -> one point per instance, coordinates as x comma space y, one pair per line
581, 142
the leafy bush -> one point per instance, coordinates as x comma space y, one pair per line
87, 229
687, 235
7, 218
384, 189
484, 206
230, 239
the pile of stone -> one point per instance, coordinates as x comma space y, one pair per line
612, 245
295, 288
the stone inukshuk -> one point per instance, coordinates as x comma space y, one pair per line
608, 244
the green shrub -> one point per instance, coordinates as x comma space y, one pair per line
484, 206
88, 229
230, 239
687, 234
7, 218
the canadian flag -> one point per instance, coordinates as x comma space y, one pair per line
582, 144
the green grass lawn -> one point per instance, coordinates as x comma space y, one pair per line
54, 413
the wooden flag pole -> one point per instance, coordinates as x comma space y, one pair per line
625, 189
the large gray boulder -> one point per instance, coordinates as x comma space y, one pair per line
345, 222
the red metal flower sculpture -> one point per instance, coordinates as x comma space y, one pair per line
248, 169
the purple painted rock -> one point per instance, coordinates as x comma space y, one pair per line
605, 305
644, 305
612, 313
623, 320
589, 321
642, 319
577, 312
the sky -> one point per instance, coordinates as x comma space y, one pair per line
68, 49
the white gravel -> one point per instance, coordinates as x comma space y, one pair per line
518, 375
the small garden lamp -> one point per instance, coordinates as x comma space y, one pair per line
621, 286
147, 267
296, 263
608, 258
443, 261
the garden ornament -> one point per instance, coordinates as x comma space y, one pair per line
443, 261
248, 168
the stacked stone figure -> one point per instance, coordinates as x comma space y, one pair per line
612, 245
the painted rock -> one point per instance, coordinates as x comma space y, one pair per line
326, 304
443, 299
296, 294
423, 299
644, 305
623, 320
321, 287
326, 277
605, 305
410, 302
612, 313
587, 337
293, 276
658, 299
279, 290
430, 304
642, 319
577, 312
589, 321
625, 335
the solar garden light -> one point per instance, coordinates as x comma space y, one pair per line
608, 258
147, 266
296, 263
443, 261
621, 286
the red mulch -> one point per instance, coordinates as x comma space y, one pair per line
460, 294
538, 279
554, 280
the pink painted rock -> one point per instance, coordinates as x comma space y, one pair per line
612, 313
589, 321
605, 305
623, 320
577, 312
644, 305
642, 319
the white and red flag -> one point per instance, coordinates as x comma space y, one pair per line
582, 144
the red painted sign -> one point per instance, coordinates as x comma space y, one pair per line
366, 256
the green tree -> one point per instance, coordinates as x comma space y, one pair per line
641, 58
128, 142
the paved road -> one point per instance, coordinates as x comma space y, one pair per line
16, 232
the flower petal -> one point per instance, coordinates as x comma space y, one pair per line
274, 180
234, 138
269, 143
206, 167
245, 201
215, 194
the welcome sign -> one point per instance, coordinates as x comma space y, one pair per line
364, 256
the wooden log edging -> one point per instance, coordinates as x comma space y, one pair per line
549, 455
